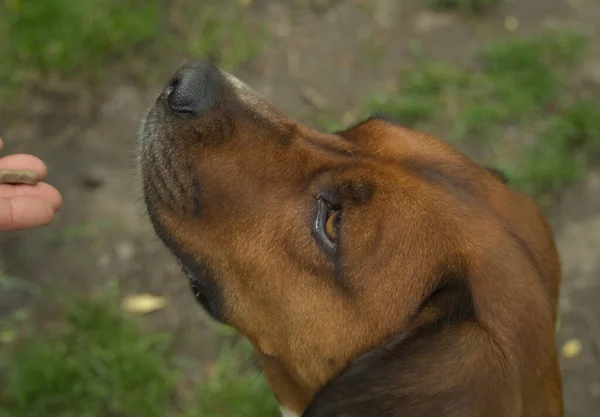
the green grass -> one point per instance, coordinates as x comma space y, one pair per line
521, 85
567, 141
99, 362
473, 6
64, 37
89, 38
222, 32
233, 391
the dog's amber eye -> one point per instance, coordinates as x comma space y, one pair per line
331, 227
326, 224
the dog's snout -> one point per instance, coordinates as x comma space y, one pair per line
193, 89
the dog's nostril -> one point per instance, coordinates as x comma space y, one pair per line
172, 85
169, 90
193, 90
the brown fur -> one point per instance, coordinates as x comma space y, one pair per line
441, 298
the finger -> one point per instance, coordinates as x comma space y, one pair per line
24, 161
23, 213
41, 190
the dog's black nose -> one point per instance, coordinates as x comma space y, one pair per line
193, 89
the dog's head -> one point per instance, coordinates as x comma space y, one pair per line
319, 247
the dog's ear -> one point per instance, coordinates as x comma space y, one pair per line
444, 365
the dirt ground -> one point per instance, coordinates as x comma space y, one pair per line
345, 51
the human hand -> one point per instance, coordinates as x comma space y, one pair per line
26, 206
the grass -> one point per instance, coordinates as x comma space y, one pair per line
230, 392
87, 38
567, 142
519, 98
222, 31
472, 6
100, 362
63, 37
96, 365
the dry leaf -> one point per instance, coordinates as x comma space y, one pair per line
571, 348
7, 337
143, 303
210, 370
511, 23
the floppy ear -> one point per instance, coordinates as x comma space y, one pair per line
443, 365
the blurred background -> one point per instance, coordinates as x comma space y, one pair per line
95, 318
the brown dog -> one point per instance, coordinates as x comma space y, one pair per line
377, 271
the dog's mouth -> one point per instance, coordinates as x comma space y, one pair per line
200, 275
203, 284
201, 292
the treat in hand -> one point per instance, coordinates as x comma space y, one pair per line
18, 176
25, 200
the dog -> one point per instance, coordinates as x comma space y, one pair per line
377, 270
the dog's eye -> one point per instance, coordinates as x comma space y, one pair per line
331, 227
326, 225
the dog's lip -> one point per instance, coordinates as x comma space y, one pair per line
187, 271
152, 121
